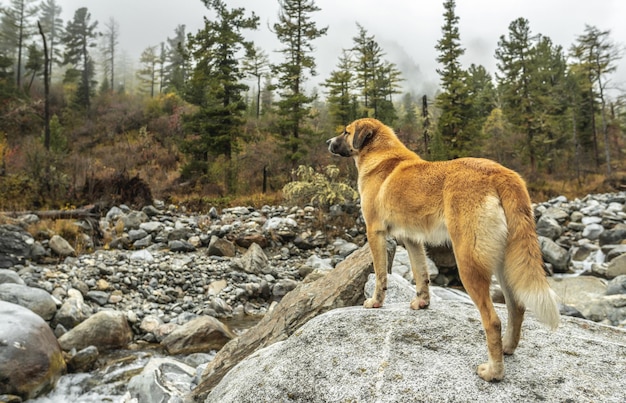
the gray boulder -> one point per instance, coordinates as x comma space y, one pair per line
107, 330
60, 246
396, 354
201, 334
35, 299
31, 360
221, 247
15, 245
554, 254
162, 380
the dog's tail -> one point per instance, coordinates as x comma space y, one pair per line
524, 276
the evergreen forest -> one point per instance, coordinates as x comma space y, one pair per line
205, 118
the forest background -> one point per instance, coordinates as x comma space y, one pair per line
212, 118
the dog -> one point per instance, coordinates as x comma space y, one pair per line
482, 208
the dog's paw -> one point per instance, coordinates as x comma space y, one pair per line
372, 303
419, 303
490, 373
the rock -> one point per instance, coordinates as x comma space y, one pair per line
354, 354
221, 247
343, 286
83, 360
549, 227
106, 330
73, 310
60, 246
35, 299
180, 246
617, 267
134, 219
31, 360
162, 380
9, 276
283, 286
554, 254
255, 261
399, 290
617, 286
201, 334
577, 291
593, 231
15, 245
614, 236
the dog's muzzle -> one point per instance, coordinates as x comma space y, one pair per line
338, 146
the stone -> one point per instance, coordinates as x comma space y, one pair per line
616, 286
162, 380
73, 311
576, 291
549, 227
255, 261
593, 231
342, 286
180, 246
201, 334
613, 236
31, 360
83, 360
617, 267
60, 246
221, 247
9, 276
554, 254
35, 299
372, 355
15, 245
283, 286
107, 330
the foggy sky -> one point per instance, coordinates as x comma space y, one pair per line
407, 30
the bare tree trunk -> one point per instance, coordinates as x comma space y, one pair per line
605, 132
46, 84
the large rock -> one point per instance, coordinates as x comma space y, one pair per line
341, 287
162, 380
15, 245
617, 267
61, 247
106, 330
202, 334
396, 354
35, 299
31, 360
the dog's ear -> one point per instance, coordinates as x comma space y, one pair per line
362, 134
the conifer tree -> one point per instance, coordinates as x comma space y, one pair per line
216, 87
256, 65
52, 25
147, 74
596, 55
453, 101
340, 92
17, 27
80, 35
176, 59
296, 31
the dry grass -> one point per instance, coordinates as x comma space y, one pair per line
67, 229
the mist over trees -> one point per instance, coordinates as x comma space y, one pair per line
207, 113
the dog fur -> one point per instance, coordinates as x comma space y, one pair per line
478, 205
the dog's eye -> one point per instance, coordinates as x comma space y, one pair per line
345, 133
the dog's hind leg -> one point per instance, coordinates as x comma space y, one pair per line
419, 267
516, 311
378, 247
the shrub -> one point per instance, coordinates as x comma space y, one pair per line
318, 188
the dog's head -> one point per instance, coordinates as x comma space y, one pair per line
354, 138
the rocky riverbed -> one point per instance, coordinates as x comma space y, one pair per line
163, 275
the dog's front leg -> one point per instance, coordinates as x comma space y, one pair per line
378, 247
419, 267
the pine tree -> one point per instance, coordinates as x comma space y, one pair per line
111, 40
52, 25
147, 74
216, 87
176, 58
80, 35
453, 101
481, 99
596, 57
17, 27
340, 92
296, 32
532, 84
256, 64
